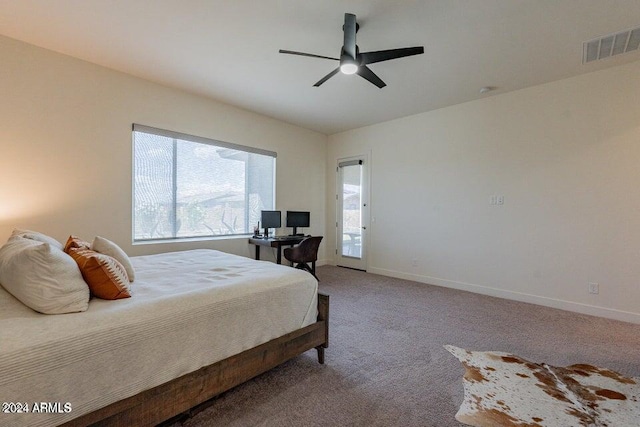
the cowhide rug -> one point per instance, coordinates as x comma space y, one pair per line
502, 389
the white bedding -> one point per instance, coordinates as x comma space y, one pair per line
188, 310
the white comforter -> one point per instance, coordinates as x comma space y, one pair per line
188, 310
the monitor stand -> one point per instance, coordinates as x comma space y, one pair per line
266, 233
295, 232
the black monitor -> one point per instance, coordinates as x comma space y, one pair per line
270, 219
297, 219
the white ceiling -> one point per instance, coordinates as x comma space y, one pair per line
228, 50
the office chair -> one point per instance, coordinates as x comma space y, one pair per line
306, 252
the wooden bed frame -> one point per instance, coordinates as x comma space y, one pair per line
175, 397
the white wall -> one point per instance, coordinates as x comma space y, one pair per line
566, 157
65, 147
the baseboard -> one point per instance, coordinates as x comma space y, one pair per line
322, 262
609, 313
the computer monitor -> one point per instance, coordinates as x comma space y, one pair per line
297, 219
270, 219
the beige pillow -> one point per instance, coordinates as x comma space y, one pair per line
107, 247
38, 237
105, 276
42, 277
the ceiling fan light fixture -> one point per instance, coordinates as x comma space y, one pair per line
349, 68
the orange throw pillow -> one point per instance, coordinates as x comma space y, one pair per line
74, 242
106, 277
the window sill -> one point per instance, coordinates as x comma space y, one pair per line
191, 239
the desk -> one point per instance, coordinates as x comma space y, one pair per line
275, 243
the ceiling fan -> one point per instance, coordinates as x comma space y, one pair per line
354, 62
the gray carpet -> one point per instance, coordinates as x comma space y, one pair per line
386, 366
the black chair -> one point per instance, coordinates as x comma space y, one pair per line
306, 252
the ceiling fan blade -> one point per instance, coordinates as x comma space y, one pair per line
327, 77
349, 29
365, 72
291, 52
385, 55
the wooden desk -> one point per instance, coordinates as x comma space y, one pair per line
275, 243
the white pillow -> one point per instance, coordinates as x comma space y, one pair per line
38, 237
43, 277
107, 247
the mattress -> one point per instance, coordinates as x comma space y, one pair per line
188, 310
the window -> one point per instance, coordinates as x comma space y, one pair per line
187, 186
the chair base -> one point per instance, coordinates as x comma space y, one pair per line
312, 269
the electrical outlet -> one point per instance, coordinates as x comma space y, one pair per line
594, 288
496, 200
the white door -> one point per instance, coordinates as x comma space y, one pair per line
352, 211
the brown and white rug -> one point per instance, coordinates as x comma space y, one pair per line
502, 389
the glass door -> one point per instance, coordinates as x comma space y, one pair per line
351, 227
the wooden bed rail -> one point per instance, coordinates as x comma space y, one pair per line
167, 400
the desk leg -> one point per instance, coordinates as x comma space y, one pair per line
257, 252
279, 257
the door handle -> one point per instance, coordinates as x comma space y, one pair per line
364, 228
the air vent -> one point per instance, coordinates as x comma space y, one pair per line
611, 45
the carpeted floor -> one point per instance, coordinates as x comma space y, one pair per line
386, 366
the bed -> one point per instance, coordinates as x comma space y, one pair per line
198, 323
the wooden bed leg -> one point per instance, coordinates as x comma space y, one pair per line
323, 314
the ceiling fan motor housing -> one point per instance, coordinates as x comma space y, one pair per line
345, 58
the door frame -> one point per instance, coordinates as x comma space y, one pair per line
363, 263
